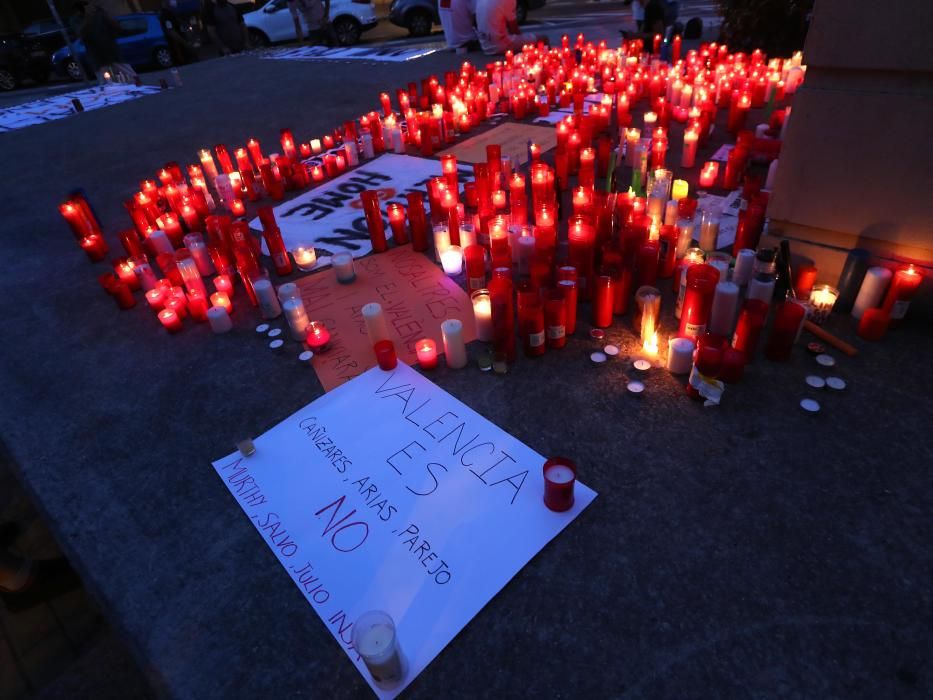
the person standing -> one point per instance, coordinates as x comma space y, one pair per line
638, 14
497, 27
182, 51
99, 32
316, 14
458, 18
225, 26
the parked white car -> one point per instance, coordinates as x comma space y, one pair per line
273, 23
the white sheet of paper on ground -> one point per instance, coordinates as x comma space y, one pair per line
722, 153
387, 493
386, 54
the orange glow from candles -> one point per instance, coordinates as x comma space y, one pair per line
222, 299
237, 208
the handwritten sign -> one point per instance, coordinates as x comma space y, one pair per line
389, 494
415, 297
330, 216
385, 54
513, 138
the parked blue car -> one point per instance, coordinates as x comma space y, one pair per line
142, 44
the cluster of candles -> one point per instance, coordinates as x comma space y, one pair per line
504, 231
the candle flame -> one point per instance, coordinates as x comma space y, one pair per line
650, 345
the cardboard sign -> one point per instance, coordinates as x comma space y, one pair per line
389, 494
512, 137
354, 53
416, 296
330, 216
61, 106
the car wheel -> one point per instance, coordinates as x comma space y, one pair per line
73, 70
7, 79
348, 31
258, 39
521, 11
163, 57
419, 22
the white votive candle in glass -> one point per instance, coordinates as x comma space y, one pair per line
454, 348
680, 355
343, 267
482, 312
441, 240
709, 230
452, 261
296, 316
822, 299
872, 290
375, 640
305, 257
375, 322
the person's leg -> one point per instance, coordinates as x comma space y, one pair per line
296, 18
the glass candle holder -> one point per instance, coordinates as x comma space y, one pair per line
375, 640
305, 257
452, 261
317, 337
343, 267
560, 475
426, 350
482, 312
822, 299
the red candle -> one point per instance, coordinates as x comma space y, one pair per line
374, 222
787, 322
749, 326
222, 299
396, 214
603, 297
568, 288
709, 173
555, 315
475, 259
560, 474
223, 283
873, 324
120, 293
426, 350
733, 366
698, 300
170, 320
902, 290
804, 280
197, 306
648, 263
385, 355
317, 336
708, 364
449, 169
95, 246
531, 324
156, 298
418, 221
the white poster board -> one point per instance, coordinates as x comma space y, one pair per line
382, 54
330, 216
60, 106
389, 494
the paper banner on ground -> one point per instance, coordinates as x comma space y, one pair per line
60, 106
722, 153
389, 494
416, 296
386, 54
512, 137
330, 217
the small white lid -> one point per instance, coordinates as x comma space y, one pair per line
275, 332
810, 405
815, 382
826, 360
262, 327
837, 383
611, 350
635, 387
276, 344
642, 365
598, 357
305, 356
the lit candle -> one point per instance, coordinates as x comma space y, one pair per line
305, 257
156, 298
219, 319
426, 350
343, 267
223, 283
452, 261
560, 474
396, 214
454, 348
222, 299
680, 355
441, 240
375, 321
902, 290
689, 154
482, 312
822, 299
317, 337
170, 320
679, 190
709, 173
296, 317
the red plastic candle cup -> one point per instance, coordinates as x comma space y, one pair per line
749, 326
95, 246
385, 355
560, 474
396, 214
317, 337
170, 320
475, 258
784, 332
374, 222
873, 324
902, 290
418, 221
555, 317
733, 366
698, 300
223, 283
222, 299
803, 284
426, 350
568, 288
603, 297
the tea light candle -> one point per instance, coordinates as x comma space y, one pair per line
482, 312
560, 475
170, 320
343, 267
223, 283
452, 261
222, 299
375, 640
317, 337
680, 355
385, 355
454, 347
375, 321
822, 299
872, 290
156, 298
426, 350
305, 257
219, 319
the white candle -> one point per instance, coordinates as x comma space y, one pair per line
397, 144
872, 290
305, 257
761, 286
482, 312
315, 146
375, 322
441, 240
744, 264
269, 306
684, 236
368, 150
352, 152
709, 230
689, 156
671, 212
467, 233
680, 355
722, 316
452, 261
219, 319
454, 347
375, 640
343, 267
194, 242
559, 474
296, 316
632, 137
